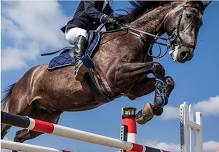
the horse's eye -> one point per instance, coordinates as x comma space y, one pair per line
188, 16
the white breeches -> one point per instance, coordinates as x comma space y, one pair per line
73, 33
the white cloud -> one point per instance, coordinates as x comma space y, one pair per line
28, 28
163, 145
209, 146
5, 150
16, 59
170, 112
208, 107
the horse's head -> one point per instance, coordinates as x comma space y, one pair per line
182, 25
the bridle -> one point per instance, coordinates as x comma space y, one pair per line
176, 30
174, 39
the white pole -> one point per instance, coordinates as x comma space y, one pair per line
10, 145
190, 129
199, 134
184, 132
91, 137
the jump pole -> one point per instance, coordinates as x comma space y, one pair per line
190, 129
129, 124
10, 145
128, 128
50, 128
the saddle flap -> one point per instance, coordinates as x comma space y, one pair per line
63, 60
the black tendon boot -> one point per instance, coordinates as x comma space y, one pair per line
80, 68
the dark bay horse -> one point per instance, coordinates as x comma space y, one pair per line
122, 63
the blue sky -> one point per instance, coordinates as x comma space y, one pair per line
29, 28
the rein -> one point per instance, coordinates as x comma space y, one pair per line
146, 33
156, 38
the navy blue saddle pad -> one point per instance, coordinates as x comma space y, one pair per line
65, 59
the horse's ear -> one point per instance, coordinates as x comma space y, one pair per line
197, 3
206, 3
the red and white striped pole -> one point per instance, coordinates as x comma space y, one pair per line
129, 128
46, 127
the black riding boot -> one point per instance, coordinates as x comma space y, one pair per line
80, 68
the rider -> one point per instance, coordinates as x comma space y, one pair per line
88, 16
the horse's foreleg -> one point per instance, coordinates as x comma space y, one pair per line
154, 108
162, 94
141, 88
137, 73
131, 73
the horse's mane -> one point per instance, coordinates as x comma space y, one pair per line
140, 8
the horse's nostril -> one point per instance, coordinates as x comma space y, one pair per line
184, 55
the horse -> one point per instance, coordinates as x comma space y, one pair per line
123, 64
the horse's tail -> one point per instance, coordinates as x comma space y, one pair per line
5, 108
6, 99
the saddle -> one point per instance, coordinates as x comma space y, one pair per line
66, 57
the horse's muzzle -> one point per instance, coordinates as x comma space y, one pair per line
182, 54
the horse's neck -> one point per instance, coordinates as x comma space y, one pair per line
152, 21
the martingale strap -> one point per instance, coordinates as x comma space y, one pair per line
101, 85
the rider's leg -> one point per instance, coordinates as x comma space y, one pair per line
80, 68
78, 37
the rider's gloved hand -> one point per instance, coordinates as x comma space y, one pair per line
106, 19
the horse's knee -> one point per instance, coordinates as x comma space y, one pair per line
158, 70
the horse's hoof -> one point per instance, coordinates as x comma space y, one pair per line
144, 115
